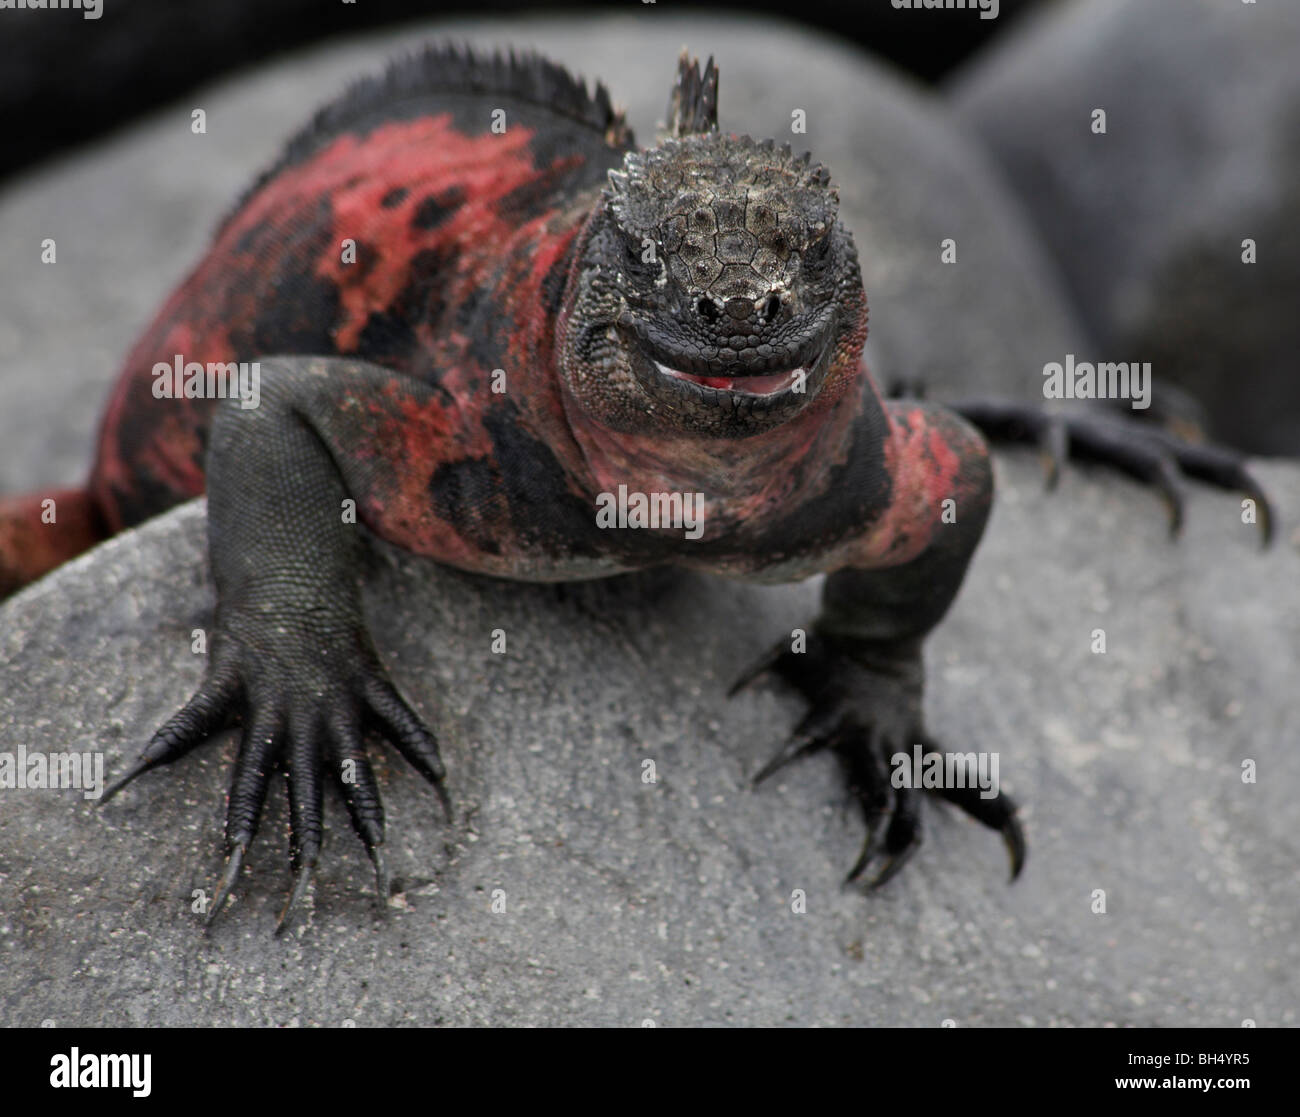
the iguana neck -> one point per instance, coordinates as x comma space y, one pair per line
761, 473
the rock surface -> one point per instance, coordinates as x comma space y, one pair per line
671, 901
1201, 152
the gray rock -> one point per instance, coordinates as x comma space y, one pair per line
628, 901
1147, 222
131, 217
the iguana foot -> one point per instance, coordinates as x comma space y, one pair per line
304, 699
1142, 450
865, 703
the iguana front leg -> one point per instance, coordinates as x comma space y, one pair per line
861, 668
291, 657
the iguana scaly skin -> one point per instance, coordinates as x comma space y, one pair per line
530, 317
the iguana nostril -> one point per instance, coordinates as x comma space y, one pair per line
706, 308
771, 306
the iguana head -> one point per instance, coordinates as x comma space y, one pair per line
715, 291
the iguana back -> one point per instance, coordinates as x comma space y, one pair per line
394, 227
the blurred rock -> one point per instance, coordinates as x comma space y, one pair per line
1202, 151
147, 53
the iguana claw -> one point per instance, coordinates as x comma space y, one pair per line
282, 727
868, 713
233, 864
301, 885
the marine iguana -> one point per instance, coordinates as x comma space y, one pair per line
478, 309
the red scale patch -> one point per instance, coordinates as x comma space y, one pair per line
156, 446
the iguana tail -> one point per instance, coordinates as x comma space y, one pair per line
42, 530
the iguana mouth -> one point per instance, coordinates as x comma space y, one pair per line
750, 385
775, 389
